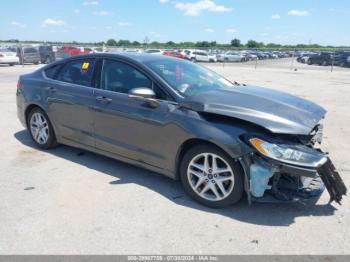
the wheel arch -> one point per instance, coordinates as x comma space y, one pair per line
190, 143
28, 109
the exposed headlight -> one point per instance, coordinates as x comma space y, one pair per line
291, 154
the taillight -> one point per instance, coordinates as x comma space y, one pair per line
1, 55
19, 84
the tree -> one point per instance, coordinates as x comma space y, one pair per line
111, 42
236, 42
123, 43
273, 45
136, 43
254, 44
203, 44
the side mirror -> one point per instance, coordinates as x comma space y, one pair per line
142, 92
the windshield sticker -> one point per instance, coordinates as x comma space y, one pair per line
85, 66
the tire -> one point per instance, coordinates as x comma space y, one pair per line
36, 63
324, 63
193, 59
48, 60
12, 64
342, 64
230, 180
309, 62
38, 118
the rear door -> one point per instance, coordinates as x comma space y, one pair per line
70, 97
127, 126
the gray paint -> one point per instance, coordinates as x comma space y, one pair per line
276, 111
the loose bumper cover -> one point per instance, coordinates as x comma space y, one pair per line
272, 181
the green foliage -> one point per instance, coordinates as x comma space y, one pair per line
254, 44
111, 42
236, 42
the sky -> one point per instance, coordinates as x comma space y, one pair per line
278, 21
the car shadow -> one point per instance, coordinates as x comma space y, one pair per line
269, 214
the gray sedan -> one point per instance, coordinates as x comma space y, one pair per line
177, 118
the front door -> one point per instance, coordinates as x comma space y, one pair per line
127, 126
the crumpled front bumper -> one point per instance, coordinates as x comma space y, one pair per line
332, 181
325, 176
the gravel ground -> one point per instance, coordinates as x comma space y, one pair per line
67, 201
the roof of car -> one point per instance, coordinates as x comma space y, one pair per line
140, 57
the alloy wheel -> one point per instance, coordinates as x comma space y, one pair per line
39, 128
210, 177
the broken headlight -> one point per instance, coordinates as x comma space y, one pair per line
289, 153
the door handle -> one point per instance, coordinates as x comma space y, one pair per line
51, 89
103, 99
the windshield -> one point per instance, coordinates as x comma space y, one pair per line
186, 77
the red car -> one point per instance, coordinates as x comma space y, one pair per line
174, 54
68, 51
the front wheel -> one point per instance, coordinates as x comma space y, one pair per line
211, 177
41, 129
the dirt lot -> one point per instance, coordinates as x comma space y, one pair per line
66, 201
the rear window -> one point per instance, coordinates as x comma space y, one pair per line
79, 72
30, 50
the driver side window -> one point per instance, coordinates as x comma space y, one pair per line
120, 77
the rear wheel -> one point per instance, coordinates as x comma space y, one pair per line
12, 64
324, 63
211, 177
41, 129
48, 60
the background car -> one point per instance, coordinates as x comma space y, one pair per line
341, 59
47, 54
154, 51
231, 56
212, 57
197, 56
8, 57
28, 54
174, 54
68, 51
323, 58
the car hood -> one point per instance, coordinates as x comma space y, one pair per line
276, 111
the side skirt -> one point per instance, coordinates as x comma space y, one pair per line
68, 142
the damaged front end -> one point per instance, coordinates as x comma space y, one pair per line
287, 171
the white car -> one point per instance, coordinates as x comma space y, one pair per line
199, 56
8, 57
231, 56
154, 51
